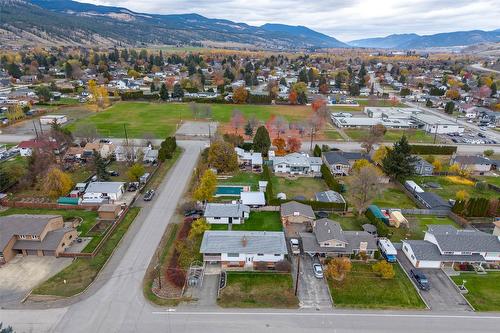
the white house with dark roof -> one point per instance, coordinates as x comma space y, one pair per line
475, 163
446, 245
226, 213
328, 239
243, 248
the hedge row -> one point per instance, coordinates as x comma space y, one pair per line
382, 229
433, 150
477, 207
330, 181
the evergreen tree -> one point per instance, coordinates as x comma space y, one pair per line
163, 92
178, 92
248, 129
261, 141
100, 167
449, 107
399, 163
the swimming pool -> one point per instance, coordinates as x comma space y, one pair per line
230, 190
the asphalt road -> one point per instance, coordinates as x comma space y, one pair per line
115, 303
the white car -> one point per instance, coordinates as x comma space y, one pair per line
318, 271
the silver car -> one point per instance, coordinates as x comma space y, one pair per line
318, 271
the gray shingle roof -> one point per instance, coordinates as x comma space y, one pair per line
326, 229
451, 239
432, 200
225, 210
424, 250
334, 157
104, 187
294, 159
292, 207
329, 196
22, 224
49, 243
310, 243
471, 160
251, 242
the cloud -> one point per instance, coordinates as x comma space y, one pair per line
343, 19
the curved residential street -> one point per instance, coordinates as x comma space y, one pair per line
115, 302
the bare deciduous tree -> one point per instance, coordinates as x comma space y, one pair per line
364, 186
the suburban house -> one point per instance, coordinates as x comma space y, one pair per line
475, 163
329, 240
422, 167
240, 249
150, 156
253, 199
296, 164
100, 191
432, 201
444, 245
296, 212
26, 148
340, 162
251, 160
39, 235
106, 150
226, 213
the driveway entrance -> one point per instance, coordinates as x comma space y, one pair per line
312, 292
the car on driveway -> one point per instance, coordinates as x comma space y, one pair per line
420, 279
318, 271
149, 195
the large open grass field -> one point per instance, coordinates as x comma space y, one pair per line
161, 119
258, 290
484, 290
364, 289
449, 187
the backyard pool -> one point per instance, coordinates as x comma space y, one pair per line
230, 191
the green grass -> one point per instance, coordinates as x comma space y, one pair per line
160, 174
64, 101
258, 221
242, 178
494, 180
361, 288
417, 226
392, 135
80, 274
449, 189
350, 222
301, 186
161, 119
258, 290
333, 135
391, 197
484, 290
379, 103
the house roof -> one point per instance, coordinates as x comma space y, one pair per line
255, 157
108, 208
424, 250
472, 159
354, 238
433, 200
253, 198
326, 229
22, 224
293, 207
104, 187
37, 144
225, 210
334, 157
253, 242
469, 240
49, 243
294, 159
329, 196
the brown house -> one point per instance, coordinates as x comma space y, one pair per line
296, 212
40, 235
109, 212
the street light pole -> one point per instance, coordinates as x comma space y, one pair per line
297, 278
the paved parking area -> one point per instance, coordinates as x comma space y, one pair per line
22, 274
312, 292
197, 129
443, 295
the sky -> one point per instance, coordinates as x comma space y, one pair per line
343, 19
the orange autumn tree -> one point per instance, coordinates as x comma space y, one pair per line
293, 144
292, 97
279, 143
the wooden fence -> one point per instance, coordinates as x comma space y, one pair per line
45, 205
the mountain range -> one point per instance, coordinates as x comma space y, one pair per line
66, 22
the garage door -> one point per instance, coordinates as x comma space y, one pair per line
32, 252
49, 253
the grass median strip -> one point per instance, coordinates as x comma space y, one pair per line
79, 275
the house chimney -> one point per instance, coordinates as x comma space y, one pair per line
244, 241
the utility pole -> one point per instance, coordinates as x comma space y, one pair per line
312, 135
36, 131
297, 278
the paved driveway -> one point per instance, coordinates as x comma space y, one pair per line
22, 274
313, 292
443, 295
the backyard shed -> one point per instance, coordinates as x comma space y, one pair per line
396, 219
376, 213
108, 212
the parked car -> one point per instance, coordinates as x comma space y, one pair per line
149, 195
132, 187
420, 279
294, 244
318, 271
193, 212
113, 173
481, 135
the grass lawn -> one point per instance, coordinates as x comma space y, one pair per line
379, 103
161, 119
363, 289
391, 197
393, 135
350, 222
258, 290
449, 189
242, 178
122, 168
332, 135
494, 180
418, 225
484, 290
258, 221
160, 174
301, 186
82, 272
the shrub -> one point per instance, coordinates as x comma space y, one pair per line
330, 181
435, 150
383, 269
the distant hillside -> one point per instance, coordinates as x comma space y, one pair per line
69, 22
413, 41
302, 32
